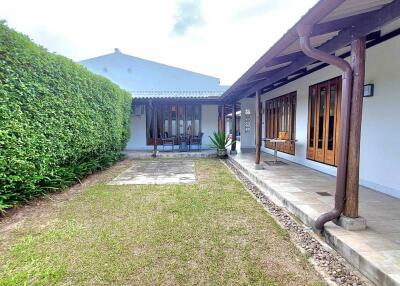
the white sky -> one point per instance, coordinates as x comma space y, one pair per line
222, 38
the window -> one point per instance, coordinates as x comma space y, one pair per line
174, 120
280, 121
323, 121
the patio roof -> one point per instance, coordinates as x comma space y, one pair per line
141, 97
338, 23
175, 94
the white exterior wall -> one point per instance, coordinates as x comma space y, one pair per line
137, 140
380, 137
209, 124
247, 139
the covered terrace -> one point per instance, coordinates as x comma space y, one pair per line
334, 33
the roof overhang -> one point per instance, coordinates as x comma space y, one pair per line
170, 97
338, 23
177, 100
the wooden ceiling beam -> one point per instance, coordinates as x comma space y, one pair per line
365, 25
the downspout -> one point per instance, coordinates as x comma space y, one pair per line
304, 32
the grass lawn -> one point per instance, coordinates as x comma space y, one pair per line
209, 233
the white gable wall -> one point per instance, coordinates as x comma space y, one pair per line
380, 138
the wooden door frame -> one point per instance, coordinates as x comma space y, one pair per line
337, 120
274, 110
160, 122
311, 150
329, 157
320, 152
330, 154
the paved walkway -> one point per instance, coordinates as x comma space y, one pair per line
157, 172
375, 251
136, 154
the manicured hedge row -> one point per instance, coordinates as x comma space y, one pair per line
58, 121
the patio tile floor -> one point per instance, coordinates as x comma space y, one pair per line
375, 251
157, 172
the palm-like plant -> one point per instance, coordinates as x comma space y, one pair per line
220, 141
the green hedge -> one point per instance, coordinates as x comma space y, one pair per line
58, 121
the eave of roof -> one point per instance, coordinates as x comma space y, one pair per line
338, 22
175, 94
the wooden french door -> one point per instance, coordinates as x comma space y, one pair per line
324, 121
280, 119
173, 120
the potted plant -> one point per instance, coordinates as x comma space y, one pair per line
220, 142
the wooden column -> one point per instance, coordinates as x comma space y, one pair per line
223, 121
233, 147
154, 113
219, 119
258, 127
353, 165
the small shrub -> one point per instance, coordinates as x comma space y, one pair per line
220, 141
58, 121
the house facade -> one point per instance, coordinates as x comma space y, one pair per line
325, 96
184, 102
315, 113
301, 96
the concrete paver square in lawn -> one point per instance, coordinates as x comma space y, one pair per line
157, 172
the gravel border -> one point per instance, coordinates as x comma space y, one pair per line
332, 267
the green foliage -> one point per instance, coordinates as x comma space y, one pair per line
220, 141
209, 233
58, 121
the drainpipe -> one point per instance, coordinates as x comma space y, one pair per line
304, 32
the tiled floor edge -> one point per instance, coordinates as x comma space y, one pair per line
366, 267
148, 155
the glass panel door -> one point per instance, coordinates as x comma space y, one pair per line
321, 117
173, 120
321, 105
149, 128
330, 124
196, 128
338, 114
323, 121
166, 131
331, 116
181, 114
189, 119
280, 120
311, 123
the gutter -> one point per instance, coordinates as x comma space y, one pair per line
318, 12
304, 32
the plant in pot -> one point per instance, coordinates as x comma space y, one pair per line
220, 142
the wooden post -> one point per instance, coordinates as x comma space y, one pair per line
353, 164
233, 147
258, 128
223, 119
219, 119
154, 113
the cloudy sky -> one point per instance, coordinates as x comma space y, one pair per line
221, 38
